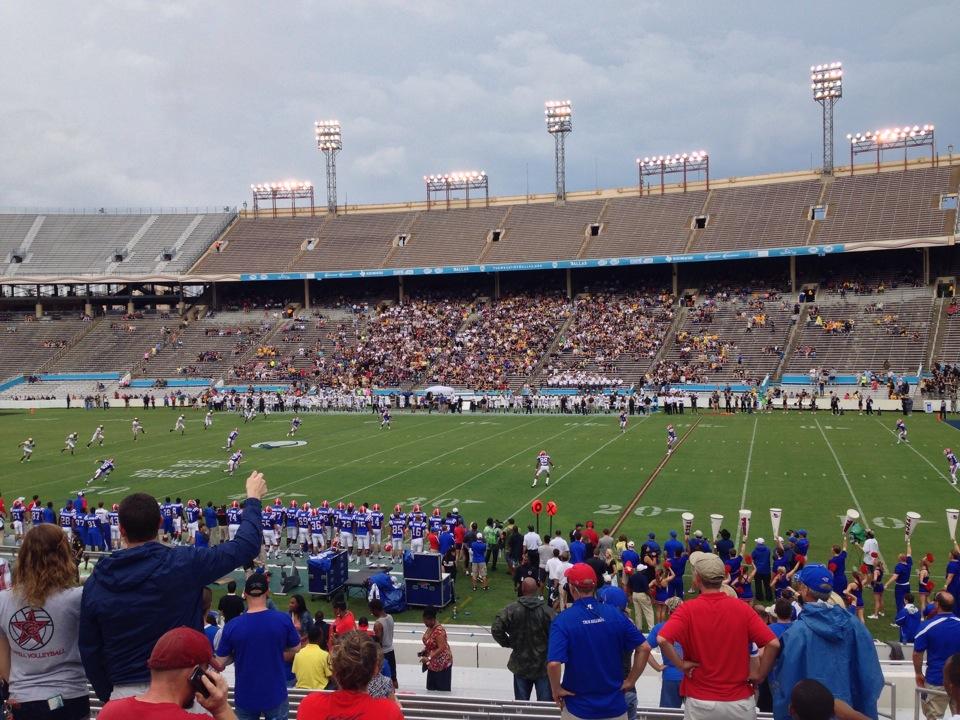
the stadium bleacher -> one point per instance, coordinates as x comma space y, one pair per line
81, 245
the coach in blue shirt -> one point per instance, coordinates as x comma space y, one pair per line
939, 638
139, 593
588, 640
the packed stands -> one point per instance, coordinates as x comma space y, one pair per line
78, 245
612, 340
501, 344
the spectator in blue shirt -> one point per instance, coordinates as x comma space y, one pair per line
587, 643
478, 562
210, 520
671, 546
629, 555
908, 619
261, 642
900, 577
724, 545
761, 561
669, 673
445, 539
938, 638
578, 551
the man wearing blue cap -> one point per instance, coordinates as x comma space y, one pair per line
827, 644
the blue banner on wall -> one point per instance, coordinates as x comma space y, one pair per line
552, 264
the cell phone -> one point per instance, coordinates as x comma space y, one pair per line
196, 681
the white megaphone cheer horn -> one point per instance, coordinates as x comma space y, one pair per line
716, 521
687, 518
745, 523
775, 515
910, 523
848, 521
952, 516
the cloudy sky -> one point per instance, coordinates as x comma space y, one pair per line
177, 102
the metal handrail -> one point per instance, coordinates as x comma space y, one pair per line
917, 692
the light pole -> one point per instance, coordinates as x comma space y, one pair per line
330, 142
826, 81
559, 117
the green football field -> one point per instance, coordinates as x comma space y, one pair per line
813, 466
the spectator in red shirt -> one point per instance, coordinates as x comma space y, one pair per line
343, 621
589, 535
716, 632
433, 541
357, 660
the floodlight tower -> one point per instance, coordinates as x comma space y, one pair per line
826, 81
330, 142
559, 116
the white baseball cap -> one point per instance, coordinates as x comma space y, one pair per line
759, 541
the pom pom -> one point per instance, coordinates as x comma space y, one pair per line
727, 568
928, 557
874, 554
628, 569
929, 586
864, 569
739, 590
832, 567
667, 565
748, 560
802, 560
388, 547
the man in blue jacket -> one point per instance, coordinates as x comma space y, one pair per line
761, 561
137, 594
827, 644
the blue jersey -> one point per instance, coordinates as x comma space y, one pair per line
361, 522
68, 518
901, 426
434, 522
277, 514
114, 517
398, 523
106, 467
671, 435
90, 522
236, 457
233, 435
347, 519
166, 511
193, 513
316, 524
36, 515
543, 460
266, 519
177, 509
233, 515
952, 459
291, 517
18, 513
376, 519
326, 514
303, 518
417, 528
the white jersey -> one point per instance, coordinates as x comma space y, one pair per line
208, 419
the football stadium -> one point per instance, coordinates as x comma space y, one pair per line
714, 412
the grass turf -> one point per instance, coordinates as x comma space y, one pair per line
814, 466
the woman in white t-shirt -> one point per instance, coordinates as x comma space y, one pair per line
39, 622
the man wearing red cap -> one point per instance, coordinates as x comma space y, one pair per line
588, 641
178, 654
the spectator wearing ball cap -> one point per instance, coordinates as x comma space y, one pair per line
762, 564
587, 643
830, 645
616, 597
671, 546
716, 632
175, 657
637, 586
938, 638
590, 534
630, 555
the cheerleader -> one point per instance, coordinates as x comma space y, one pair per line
876, 578
853, 594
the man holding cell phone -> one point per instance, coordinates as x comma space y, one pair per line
182, 670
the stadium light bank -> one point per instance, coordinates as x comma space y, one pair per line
559, 117
663, 165
826, 82
451, 182
291, 190
330, 142
897, 138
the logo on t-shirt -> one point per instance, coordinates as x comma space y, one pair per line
30, 628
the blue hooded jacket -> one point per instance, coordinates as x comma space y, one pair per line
136, 595
830, 645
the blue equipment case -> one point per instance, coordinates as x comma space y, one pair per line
328, 572
425, 583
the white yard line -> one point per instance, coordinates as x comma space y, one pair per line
255, 466
493, 467
554, 483
421, 464
746, 475
922, 457
843, 474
